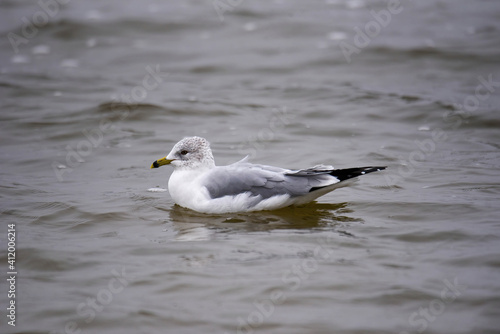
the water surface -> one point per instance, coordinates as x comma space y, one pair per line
101, 90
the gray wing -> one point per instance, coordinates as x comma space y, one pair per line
265, 181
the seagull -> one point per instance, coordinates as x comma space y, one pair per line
198, 184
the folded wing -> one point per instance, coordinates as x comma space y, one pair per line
267, 181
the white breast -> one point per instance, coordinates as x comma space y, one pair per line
185, 189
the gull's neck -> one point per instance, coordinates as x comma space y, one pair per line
199, 166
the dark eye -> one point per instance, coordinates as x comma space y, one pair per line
184, 152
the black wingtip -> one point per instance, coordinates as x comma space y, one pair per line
349, 173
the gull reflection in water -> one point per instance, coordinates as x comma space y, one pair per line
193, 226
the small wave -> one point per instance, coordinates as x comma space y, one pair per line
157, 190
446, 54
69, 29
113, 106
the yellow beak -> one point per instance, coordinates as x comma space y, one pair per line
161, 162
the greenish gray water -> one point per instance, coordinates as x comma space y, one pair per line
95, 93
